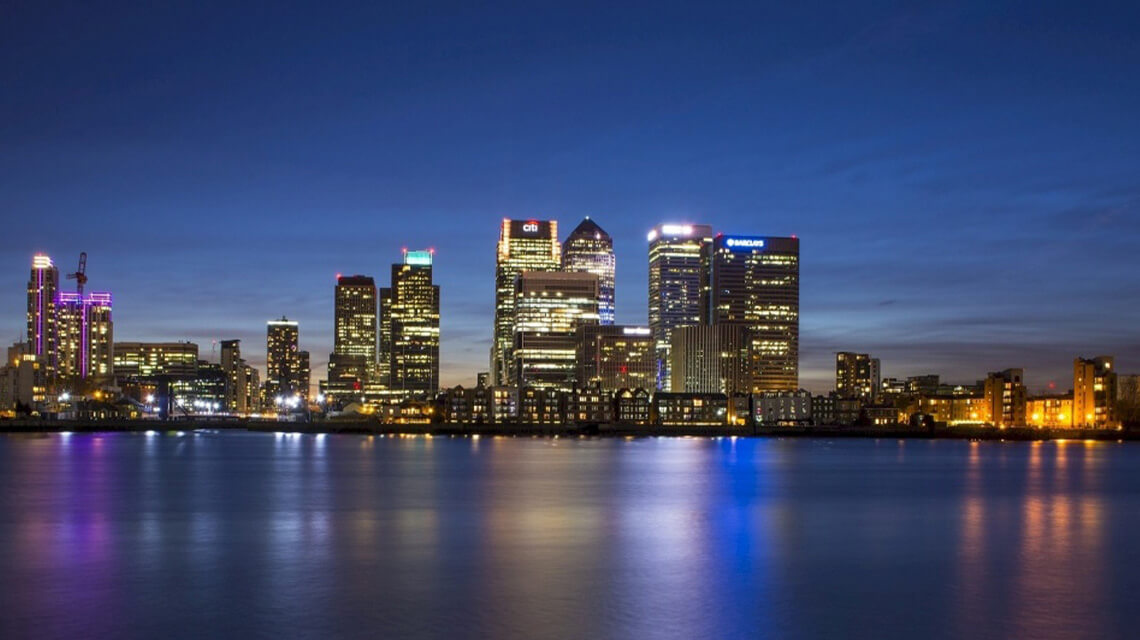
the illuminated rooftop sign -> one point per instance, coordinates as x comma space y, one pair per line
418, 257
744, 243
635, 331
683, 230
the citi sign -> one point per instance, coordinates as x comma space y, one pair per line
744, 243
530, 227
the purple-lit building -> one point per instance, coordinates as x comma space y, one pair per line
84, 335
42, 287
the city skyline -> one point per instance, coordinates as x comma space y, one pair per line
319, 369
964, 187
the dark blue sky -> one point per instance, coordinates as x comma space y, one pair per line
965, 179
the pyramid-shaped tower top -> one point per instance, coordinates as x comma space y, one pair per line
589, 229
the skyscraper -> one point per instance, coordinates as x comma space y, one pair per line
676, 278
549, 309
85, 335
589, 249
354, 342
283, 367
755, 281
410, 310
524, 245
42, 287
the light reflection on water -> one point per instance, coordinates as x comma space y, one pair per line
209, 534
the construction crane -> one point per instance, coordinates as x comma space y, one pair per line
80, 275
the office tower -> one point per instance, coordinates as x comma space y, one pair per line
589, 249
1005, 398
617, 357
710, 359
549, 309
524, 245
42, 287
354, 343
84, 335
1094, 393
282, 360
676, 278
156, 359
755, 281
410, 315
856, 376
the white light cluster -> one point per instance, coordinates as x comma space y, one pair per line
744, 243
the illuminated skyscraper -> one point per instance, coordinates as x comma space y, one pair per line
676, 278
755, 281
284, 372
524, 245
410, 311
42, 287
85, 335
354, 343
549, 309
589, 249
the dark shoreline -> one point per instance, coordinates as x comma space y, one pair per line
523, 430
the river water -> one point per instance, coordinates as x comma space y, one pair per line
235, 534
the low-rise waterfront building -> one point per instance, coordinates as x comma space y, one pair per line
632, 406
782, 408
542, 406
689, 409
1050, 411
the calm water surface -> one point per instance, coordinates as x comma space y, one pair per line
256, 535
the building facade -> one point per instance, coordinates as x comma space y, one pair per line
1005, 396
1050, 411
410, 310
354, 356
524, 245
550, 308
856, 376
755, 281
84, 335
589, 249
1094, 393
155, 359
285, 373
617, 357
676, 279
710, 359
42, 288
242, 392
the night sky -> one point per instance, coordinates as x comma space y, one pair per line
965, 180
